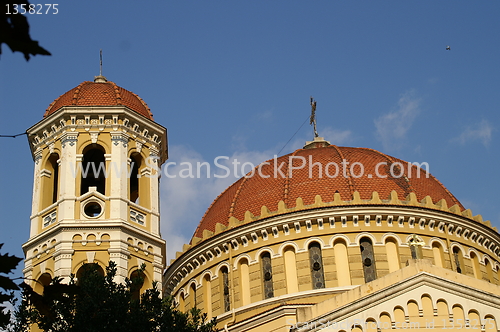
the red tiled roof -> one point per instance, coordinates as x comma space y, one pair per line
253, 192
100, 94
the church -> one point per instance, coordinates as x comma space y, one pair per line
325, 238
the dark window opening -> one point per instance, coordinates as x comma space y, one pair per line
89, 270
456, 255
267, 274
368, 259
55, 175
137, 281
134, 178
93, 170
316, 262
225, 289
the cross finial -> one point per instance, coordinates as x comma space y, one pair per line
100, 78
100, 62
312, 121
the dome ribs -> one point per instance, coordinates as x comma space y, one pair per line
349, 179
408, 185
286, 188
233, 202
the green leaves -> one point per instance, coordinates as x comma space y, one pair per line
95, 302
7, 264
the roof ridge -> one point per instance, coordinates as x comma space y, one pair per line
287, 178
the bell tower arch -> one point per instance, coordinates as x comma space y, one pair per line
97, 155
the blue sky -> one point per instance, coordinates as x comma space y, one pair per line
233, 78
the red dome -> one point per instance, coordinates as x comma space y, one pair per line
103, 93
253, 192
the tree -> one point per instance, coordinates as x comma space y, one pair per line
7, 264
15, 30
95, 302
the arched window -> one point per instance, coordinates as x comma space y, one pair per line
207, 295
135, 163
489, 271
43, 281
137, 278
458, 258
93, 169
316, 263
226, 297
192, 296
55, 175
182, 302
50, 181
88, 270
267, 275
368, 260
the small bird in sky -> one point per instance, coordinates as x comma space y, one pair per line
448, 47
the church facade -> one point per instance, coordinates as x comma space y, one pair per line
308, 242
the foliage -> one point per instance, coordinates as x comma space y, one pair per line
96, 303
7, 264
15, 30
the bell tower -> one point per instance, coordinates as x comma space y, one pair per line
97, 155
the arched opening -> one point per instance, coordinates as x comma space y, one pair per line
244, 281
489, 271
292, 286
342, 263
437, 251
182, 303
224, 286
192, 296
137, 279
50, 181
368, 259
55, 175
459, 259
475, 266
93, 169
316, 265
43, 281
267, 275
135, 163
89, 270
207, 295
391, 248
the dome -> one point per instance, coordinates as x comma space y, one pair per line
366, 171
100, 93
